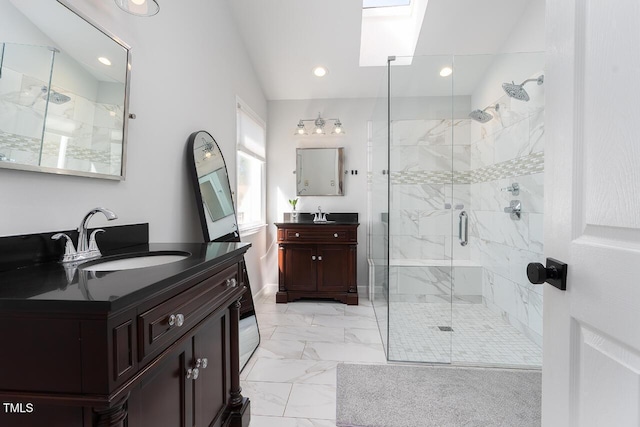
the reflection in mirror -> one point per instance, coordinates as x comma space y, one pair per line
63, 104
319, 171
218, 219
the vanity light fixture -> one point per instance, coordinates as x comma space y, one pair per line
446, 72
139, 7
318, 126
104, 60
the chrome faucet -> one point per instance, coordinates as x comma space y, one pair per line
320, 216
87, 247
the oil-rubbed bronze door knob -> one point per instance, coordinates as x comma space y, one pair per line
555, 273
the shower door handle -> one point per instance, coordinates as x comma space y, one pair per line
463, 229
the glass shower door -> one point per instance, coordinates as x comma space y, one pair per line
420, 211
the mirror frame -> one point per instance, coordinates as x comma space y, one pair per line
125, 120
229, 237
340, 172
195, 179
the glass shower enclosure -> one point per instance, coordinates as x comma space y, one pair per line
456, 206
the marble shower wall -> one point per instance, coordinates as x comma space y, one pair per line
508, 149
466, 164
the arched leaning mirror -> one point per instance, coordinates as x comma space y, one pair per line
215, 207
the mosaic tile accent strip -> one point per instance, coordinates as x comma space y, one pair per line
525, 165
11, 141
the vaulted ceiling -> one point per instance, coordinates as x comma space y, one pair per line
286, 39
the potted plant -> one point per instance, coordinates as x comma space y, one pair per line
294, 213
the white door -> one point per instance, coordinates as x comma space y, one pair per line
591, 359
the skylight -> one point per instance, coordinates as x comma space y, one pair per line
367, 4
390, 28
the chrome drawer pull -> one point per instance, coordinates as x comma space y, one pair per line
335, 234
297, 234
232, 283
313, 257
319, 258
176, 320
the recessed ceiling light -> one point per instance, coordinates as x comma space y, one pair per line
446, 72
104, 60
320, 71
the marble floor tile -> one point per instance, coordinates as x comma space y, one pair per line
326, 308
247, 368
308, 333
273, 349
358, 310
294, 371
346, 352
342, 321
266, 398
312, 401
362, 336
266, 331
284, 319
261, 421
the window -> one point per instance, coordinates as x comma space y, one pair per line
250, 169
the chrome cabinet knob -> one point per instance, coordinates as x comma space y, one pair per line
202, 363
313, 257
297, 234
232, 283
335, 234
193, 374
320, 258
176, 320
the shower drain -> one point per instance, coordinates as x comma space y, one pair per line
445, 328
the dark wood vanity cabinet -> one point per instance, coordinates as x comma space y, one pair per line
169, 358
317, 261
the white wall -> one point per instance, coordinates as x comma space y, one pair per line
188, 65
281, 155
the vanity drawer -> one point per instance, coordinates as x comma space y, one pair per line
164, 323
316, 233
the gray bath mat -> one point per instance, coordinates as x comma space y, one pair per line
422, 396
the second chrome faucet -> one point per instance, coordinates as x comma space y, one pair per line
87, 246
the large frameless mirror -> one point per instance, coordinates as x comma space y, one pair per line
319, 171
63, 92
215, 207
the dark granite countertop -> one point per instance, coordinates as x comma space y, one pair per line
306, 218
49, 286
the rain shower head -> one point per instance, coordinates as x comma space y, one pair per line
55, 97
517, 91
481, 115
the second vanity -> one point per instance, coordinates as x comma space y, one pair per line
318, 259
154, 346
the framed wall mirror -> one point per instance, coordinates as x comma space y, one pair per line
214, 203
63, 103
319, 171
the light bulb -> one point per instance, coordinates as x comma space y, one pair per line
208, 154
338, 129
318, 130
138, 2
300, 131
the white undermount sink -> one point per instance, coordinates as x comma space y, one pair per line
137, 260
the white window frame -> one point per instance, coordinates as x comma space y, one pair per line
242, 149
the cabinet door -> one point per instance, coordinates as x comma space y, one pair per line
300, 267
163, 395
211, 342
334, 268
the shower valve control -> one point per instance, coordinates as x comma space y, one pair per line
514, 189
514, 209
555, 273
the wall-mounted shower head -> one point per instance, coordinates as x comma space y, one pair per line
54, 97
517, 91
481, 115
